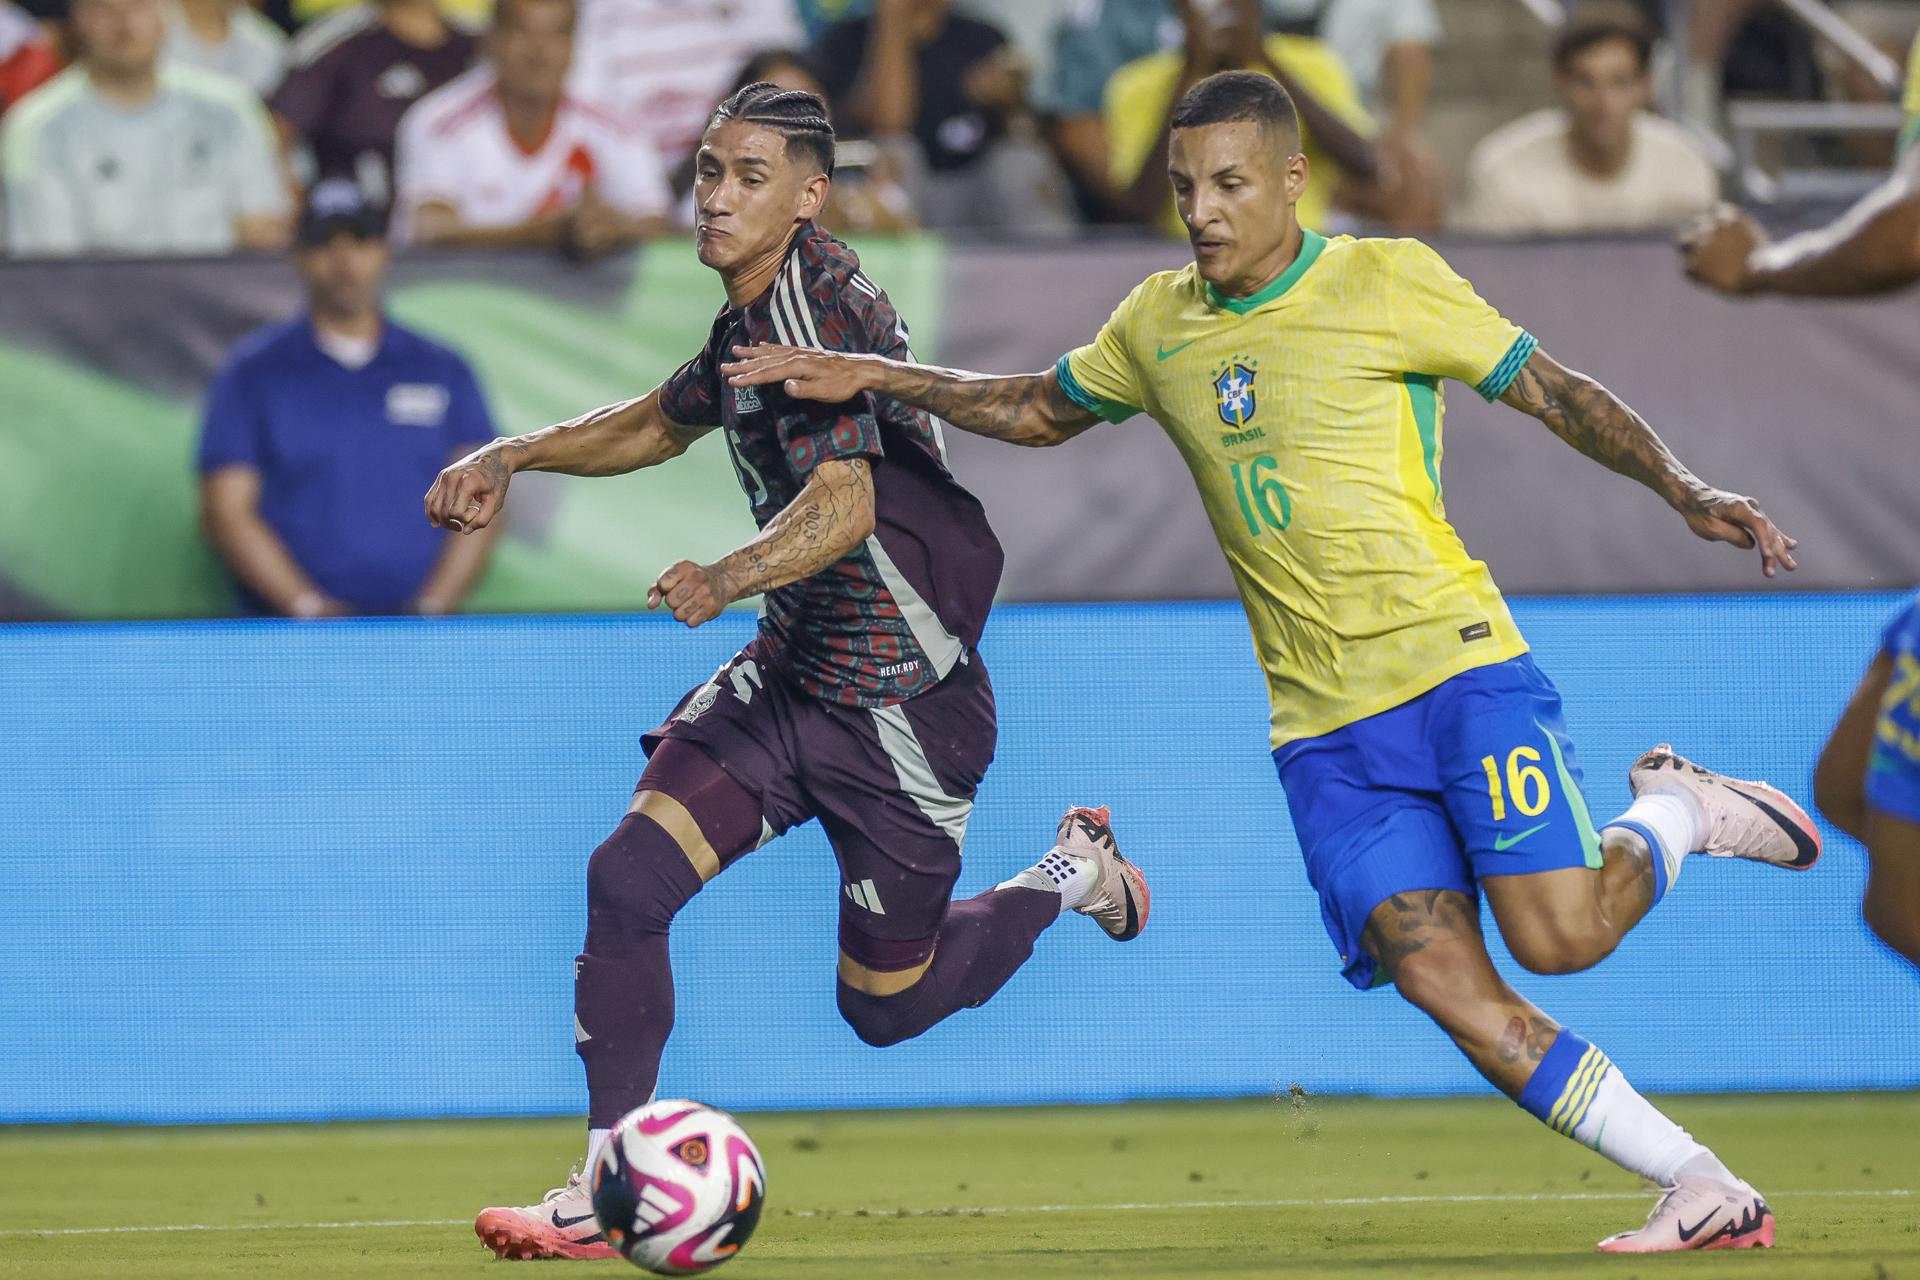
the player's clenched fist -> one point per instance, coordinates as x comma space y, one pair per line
695, 593
469, 494
1718, 248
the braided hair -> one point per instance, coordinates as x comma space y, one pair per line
800, 116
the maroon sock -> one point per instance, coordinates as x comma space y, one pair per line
637, 880
983, 940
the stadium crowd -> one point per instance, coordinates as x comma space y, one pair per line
193, 127
340, 130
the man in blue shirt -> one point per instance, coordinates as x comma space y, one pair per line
322, 432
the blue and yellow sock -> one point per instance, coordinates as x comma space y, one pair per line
1564, 1083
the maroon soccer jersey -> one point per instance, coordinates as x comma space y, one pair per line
349, 81
892, 619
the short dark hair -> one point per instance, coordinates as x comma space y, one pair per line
1231, 97
1596, 26
799, 116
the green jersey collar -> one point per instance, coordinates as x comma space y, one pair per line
1311, 243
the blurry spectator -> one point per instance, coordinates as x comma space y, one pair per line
504, 157
1381, 44
351, 76
1228, 35
27, 57
1599, 161
953, 85
662, 64
292, 15
227, 36
1386, 46
1891, 28
323, 433
121, 154
868, 195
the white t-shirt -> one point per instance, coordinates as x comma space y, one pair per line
253, 53
1522, 179
172, 176
453, 148
665, 64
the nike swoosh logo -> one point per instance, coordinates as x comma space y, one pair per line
1688, 1233
1167, 353
564, 1223
1503, 843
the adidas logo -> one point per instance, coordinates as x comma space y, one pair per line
865, 896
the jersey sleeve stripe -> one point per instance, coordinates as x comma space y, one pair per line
1111, 410
1495, 384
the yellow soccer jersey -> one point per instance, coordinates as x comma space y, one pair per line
1310, 417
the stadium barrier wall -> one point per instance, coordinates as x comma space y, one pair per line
1807, 405
261, 870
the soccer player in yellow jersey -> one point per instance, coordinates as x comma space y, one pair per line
1424, 756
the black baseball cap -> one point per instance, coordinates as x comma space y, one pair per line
337, 205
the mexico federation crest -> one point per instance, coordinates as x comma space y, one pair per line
1234, 390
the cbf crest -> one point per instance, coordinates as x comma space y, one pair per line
1234, 391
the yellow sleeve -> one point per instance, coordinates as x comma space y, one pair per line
1100, 376
1449, 331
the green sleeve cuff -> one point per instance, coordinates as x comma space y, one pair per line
1111, 410
1495, 384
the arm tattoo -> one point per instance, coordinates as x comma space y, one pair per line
1029, 409
1597, 423
830, 517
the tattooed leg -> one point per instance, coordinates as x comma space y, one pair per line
1429, 941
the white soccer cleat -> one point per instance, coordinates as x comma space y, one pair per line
1699, 1213
1743, 819
562, 1225
1118, 900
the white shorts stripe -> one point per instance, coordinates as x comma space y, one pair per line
915, 772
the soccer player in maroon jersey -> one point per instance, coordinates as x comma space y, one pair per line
861, 702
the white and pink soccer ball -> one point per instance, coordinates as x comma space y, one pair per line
678, 1187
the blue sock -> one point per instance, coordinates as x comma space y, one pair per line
1562, 1085
1654, 847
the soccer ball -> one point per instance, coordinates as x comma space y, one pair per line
678, 1187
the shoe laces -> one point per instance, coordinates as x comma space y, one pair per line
575, 1177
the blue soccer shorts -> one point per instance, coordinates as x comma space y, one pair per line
1893, 771
1474, 778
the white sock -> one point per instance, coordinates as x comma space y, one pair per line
1058, 873
595, 1137
1677, 824
1628, 1130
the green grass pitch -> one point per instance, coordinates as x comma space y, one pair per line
1291, 1187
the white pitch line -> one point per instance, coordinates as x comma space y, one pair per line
969, 1212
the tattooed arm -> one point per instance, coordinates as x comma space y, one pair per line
1874, 247
1595, 421
831, 516
1028, 408
609, 441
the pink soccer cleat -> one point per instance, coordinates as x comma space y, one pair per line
1699, 1213
1119, 900
1743, 819
562, 1225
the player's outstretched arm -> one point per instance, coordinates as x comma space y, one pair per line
1599, 424
1873, 247
609, 441
1027, 408
831, 516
